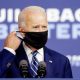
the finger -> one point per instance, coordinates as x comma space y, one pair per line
13, 33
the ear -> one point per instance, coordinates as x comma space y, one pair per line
22, 30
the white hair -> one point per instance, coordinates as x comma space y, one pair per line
21, 17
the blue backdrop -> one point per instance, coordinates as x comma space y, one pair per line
64, 25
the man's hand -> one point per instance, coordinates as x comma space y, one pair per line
12, 41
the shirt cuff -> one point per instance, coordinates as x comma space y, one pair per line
11, 50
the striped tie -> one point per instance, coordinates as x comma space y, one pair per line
34, 64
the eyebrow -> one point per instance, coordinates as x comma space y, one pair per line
39, 25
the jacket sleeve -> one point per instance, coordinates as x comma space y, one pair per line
6, 58
67, 70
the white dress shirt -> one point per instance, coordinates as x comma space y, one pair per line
39, 56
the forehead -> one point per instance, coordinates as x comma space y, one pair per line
36, 18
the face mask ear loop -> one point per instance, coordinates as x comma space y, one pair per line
20, 37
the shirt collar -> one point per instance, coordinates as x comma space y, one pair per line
29, 51
40, 51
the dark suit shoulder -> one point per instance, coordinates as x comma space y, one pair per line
61, 64
56, 55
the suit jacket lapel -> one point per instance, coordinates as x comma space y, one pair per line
50, 62
20, 55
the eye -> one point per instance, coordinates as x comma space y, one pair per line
44, 26
35, 26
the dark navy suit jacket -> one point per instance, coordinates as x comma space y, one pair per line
58, 66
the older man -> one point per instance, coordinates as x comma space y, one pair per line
30, 47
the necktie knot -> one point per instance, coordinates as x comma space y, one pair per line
34, 53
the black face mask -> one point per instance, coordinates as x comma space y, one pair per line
36, 39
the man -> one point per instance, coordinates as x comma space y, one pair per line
32, 24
